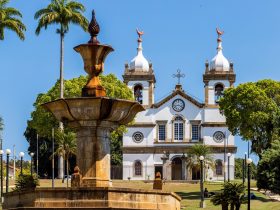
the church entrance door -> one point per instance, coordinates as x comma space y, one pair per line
195, 172
177, 169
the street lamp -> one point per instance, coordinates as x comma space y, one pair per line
8, 152
249, 161
228, 156
244, 168
202, 204
1, 159
21, 154
31, 167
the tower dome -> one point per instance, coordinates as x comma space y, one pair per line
139, 62
219, 62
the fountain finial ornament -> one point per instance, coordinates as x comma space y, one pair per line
93, 54
93, 29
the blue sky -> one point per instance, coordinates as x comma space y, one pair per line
178, 34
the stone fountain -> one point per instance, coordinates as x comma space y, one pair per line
93, 116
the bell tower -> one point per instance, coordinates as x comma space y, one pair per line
218, 76
139, 76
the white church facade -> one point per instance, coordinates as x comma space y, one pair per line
161, 136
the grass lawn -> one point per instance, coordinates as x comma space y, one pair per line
189, 192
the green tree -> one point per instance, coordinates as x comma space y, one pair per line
10, 19
252, 111
42, 122
62, 12
268, 170
67, 147
238, 168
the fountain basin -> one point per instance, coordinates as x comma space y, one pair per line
97, 198
77, 111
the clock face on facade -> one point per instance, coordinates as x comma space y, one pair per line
178, 105
219, 136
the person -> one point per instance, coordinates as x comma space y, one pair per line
206, 193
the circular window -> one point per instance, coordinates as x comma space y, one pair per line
138, 137
219, 136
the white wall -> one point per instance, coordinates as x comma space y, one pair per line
148, 140
147, 166
208, 132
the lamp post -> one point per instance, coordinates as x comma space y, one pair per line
8, 152
202, 204
1, 159
228, 156
249, 161
244, 167
21, 154
31, 166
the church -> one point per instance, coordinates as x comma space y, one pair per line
161, 136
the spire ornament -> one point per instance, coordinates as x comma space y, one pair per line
220, 33
93, 29
140, 34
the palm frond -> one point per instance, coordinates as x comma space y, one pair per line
9, 20
62, 12
15, 26
12, 12
3, 3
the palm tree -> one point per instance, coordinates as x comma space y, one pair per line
67, 147
62, 12
199, 150
9, 19
232, 194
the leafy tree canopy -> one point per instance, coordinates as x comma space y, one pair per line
252, 111
238, 169
268, 176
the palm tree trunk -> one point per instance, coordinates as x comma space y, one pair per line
224, 206
61, 63
60, 158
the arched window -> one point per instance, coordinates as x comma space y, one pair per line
178, 128
219, 167
219, 91
138, 93
138, 168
